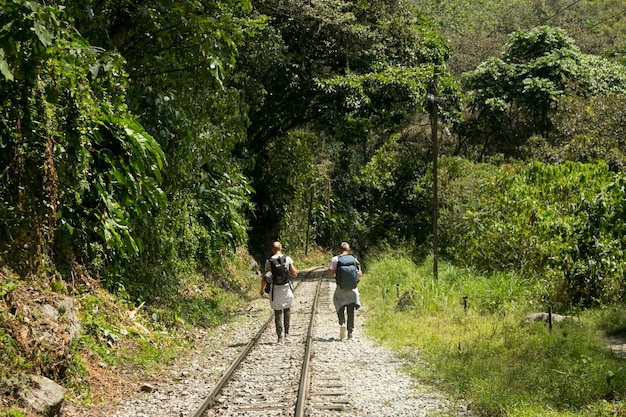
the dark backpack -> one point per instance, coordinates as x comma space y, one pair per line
280, 270
346, 274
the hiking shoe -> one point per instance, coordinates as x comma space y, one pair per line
350, 335
280, 340
342, 332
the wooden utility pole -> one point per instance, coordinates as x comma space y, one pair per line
308, 222
432, 100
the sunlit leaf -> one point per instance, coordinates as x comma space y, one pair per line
4, 67
44, 35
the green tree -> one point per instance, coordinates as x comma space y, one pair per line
352, 73
514, 97
180, 58
78, 169
559, 224
399, 184
586, 131
478, 29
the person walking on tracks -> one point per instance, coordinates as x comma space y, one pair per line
347, 271
278, 271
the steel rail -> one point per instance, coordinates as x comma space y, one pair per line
231, 370
303, 388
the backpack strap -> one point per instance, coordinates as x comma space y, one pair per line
338, 268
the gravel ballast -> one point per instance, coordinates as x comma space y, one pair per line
371, 374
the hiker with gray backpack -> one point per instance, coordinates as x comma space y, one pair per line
347, 271
276, 282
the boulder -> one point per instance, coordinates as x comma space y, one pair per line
253, 266
44, 396
65, 314
405, 301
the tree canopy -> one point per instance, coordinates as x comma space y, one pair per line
78, 168
146, 141
516, 96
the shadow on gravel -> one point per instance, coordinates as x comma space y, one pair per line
328, 339
267, 343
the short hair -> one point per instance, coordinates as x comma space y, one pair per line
277, 246
345, 246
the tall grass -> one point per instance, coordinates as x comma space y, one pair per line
468, 333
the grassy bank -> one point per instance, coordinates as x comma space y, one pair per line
468, 334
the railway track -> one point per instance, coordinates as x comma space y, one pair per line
284, 379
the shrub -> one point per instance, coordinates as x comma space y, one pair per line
563, 223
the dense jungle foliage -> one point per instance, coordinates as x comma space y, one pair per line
146, 141
143, 142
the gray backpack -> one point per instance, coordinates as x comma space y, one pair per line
346, 274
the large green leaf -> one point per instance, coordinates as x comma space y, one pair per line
4, 67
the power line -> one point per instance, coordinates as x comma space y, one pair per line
588, 27
572, 34
558, 12
609, 18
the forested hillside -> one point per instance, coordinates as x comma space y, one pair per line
146, 147
479, 29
